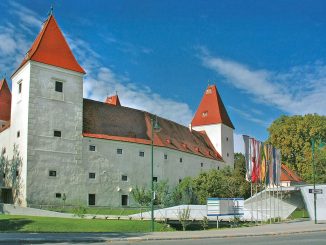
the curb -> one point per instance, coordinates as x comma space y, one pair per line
133, 239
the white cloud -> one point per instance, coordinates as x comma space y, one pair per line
301, 90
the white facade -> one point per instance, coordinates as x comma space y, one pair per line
221, 137
38, 110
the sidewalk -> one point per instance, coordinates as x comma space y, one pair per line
265, 230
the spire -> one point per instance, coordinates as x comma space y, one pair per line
51, 48
113, 100
5, 101
211, 110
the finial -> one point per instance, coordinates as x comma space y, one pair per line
51, 10
116, 93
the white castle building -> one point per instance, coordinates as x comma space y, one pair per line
90, 152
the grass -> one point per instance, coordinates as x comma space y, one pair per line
101, 211
15, 223
299, 214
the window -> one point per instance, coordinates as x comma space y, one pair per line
92, 147
180, 159
4, 175
154, 179
218, 167
52, 173
204, 114
165, 157
124, 200
91, 175
57, 195
141, 154
202, 164
17, 173
4, 150
56, 133
227, 154
91, 199
58, 86
124, 177
18, 134
180, 180
119, 151
227, 138
20, 88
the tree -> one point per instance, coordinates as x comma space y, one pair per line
142, 197
293, 135
184, 215
162, 193
184, 192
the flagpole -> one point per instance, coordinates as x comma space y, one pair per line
281, 203
261, 204
270, 205
278, 206
252, 207
256, 205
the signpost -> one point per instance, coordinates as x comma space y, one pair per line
316, 191
224, 207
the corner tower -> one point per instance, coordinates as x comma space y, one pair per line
46, 115
212, 117
5, 103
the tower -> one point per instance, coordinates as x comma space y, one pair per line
212, 117
5, 103
46, 114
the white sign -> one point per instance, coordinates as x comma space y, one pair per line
317, 191
225, 206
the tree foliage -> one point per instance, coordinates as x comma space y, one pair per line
293, 135
141, 196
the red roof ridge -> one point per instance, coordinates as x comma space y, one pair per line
211, 110
50, 47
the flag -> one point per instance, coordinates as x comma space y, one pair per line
246, 140
263, 163
254, 176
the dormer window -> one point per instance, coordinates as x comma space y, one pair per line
204, 114
209, 91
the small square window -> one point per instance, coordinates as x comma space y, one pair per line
56, 133
165, 157
52, 173
4, 175
154, 179
202, 164
17, 173
227, 154
218, 167
180, 180
58, 195
58, 86
124, 177
141, 154
204, 114
92, 148
180, 159
227, 138
20, 88
119, 151
91, 175
18, 134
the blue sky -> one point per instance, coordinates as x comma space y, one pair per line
267, 58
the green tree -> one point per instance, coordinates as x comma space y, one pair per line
184, 192
162, 193
293, 135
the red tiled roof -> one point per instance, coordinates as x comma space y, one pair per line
51, 48
5, 101
105, 121
211, 110
113, 100
288, 175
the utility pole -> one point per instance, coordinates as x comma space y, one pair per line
314, 176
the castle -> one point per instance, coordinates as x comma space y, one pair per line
90, 152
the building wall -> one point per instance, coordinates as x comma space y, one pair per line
221, 137
109, 167
48, 111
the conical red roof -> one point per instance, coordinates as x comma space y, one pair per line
5, 101
51, 48
113, 100
211, 110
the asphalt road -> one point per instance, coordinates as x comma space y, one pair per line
312, 238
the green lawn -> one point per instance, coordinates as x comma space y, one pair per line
299, 213
13, 223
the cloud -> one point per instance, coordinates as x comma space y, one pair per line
300, 90
249, 117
